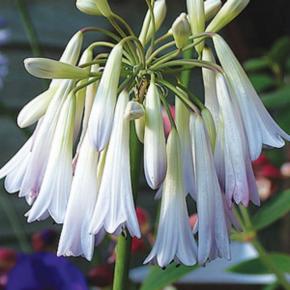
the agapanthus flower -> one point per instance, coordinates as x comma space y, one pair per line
101, 118
213, 239
114, 210
154, 139
174, 237
260, 128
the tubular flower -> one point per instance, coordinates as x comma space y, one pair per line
75, 239
213, 239
147, 30
181, 30
55, 188
174, 237
114, 209
229, 11
36, 108
154, 139
95, 7
260, 128
102, 115
232, 153
27, 178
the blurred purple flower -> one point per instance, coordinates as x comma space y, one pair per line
4, 36
45, 271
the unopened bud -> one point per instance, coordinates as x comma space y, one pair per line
134, 110
230, 10
196, 17
211, 8
52, 69
94, 7
147, 30
181, 30
209, 123
72, 51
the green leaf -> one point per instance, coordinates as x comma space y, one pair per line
256, 266
280, 51
272, 211
262, 82
277, 99
256, 64
158, 279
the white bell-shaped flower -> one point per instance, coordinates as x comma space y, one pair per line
174, 236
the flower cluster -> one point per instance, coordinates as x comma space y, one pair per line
77, 166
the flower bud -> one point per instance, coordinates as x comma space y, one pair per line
196, 17
159, 15
211, 7
209, 123
230, 10
51, 69
72, 51
94, 7
181, 30
134, 110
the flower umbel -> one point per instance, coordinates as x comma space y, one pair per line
81, 164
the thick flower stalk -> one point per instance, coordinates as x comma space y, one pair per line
80, 165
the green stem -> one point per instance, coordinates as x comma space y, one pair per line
29, 28
123, 249
263, 255
183, 96
16, 226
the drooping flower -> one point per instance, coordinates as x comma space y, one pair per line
174, 236
55, 188
95, 7
147, 30
75, 239
114, 210
181, 30
260, 128
33, 156
102, 115
213, 239
154, 139
37, 107
229, 11
232, 153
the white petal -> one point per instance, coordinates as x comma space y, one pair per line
259, 126
182, 124
102, 115
55, 189
42, 143
75, 238
154, 140
115, 207
212, 227
174, 237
